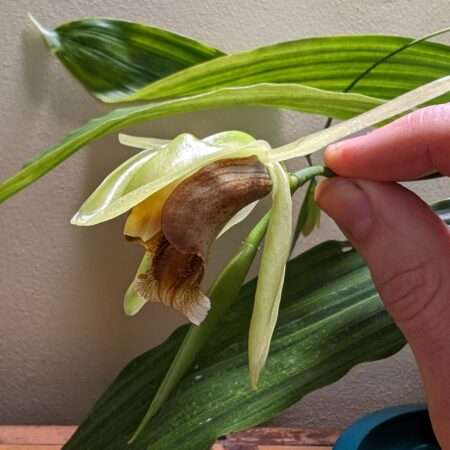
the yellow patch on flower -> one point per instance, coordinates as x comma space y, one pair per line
144, 221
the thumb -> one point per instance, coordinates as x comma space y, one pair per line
407, 249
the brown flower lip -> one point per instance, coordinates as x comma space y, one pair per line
191, 218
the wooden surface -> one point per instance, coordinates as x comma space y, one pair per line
54, 437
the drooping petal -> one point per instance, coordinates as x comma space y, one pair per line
180, 158
271, 273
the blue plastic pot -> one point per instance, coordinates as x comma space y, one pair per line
399, 428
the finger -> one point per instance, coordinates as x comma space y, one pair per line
407, 249
406, 149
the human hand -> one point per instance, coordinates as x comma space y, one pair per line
405, 245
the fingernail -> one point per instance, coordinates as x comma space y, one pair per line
348, 205
332, 153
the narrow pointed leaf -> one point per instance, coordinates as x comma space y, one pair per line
400, 105
295, 97
114, 58
271, 273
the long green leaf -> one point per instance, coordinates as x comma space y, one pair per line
330, 320
295, 97
386, 58
120, 61
114, 58
329, 63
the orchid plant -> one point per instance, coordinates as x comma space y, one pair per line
214, 183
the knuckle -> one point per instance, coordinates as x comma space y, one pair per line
410, 293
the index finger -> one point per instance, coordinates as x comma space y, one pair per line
409, 148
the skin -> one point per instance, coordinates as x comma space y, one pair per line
405, 245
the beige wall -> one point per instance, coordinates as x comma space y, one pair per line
63, 336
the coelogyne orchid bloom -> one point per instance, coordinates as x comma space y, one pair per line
182, 192
200, 188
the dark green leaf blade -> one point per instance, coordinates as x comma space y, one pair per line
115, 58
295, 97
331, 319
329, 63
329, 304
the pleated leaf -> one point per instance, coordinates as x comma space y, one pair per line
330, 63
330, 319
123, 61
295, 97
114, 58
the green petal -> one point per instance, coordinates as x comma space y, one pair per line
271, 273
180, 158
229, 138
222, 138
133, 302
114, 185
316, 141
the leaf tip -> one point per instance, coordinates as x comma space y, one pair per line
50, 37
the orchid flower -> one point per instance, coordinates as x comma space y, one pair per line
181, 194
